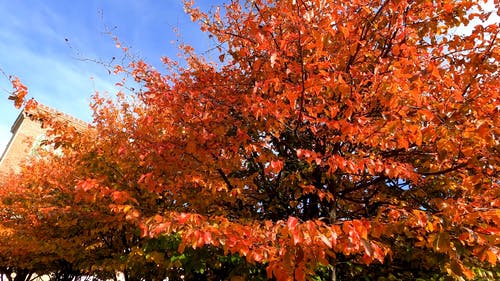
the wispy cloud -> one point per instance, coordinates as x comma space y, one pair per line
41, 42
33, 47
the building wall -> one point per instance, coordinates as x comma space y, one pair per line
24, 132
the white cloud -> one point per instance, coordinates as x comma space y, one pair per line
54, 81
51, 72
33, 47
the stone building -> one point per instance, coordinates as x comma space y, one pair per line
27, 134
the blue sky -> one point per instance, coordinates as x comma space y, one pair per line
33, 46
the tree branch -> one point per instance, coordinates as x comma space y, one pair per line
224, 177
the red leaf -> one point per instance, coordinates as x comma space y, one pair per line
292, 222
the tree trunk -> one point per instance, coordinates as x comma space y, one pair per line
333, 274
333, 219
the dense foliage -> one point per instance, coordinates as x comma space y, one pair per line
332, 140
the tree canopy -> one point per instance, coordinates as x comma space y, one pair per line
328, 140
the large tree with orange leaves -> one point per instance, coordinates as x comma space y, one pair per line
331, 139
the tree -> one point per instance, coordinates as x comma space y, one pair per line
332, 140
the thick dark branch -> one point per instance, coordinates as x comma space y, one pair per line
226, 180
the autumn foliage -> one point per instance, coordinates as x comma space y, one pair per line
328, 139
